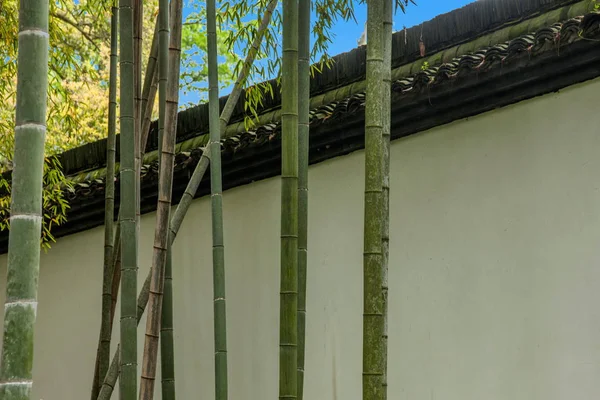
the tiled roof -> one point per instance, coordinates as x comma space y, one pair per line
550, 38
472, 27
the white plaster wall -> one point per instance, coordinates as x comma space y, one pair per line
494, 278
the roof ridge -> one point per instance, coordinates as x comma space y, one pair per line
442, 33
351, 97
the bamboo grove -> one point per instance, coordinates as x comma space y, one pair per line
138, 90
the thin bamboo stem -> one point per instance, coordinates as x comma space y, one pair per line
103, 353
138, 21
385, 234
163, 68
214, 147
150, 81
288, 325
373, 321
161, 237
234, 96
20, 305
166, 329
303, 145
113, 371
167, 350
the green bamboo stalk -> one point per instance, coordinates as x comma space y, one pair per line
148, 97
303, 141
386, 134
167, 351
26, 209
129, 237
216, 189
163, 68
373, 321
138, 22
288, 325
161, 237
234, 96
113, 371
192, 187
103, 352
166, 329
149, 89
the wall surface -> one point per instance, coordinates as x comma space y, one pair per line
494, 278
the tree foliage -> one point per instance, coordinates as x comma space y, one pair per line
77, 95
78, 72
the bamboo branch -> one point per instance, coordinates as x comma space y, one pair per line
75, 25
234, 96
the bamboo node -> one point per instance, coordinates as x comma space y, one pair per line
34, 32
31, 217
21, 382
41, 128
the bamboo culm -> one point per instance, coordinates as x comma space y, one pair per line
148, 97
386, 134
288, 309
128, 200
103, 354
303, 145
218, 258
163, 68
26, 208
113, 371
161, 237
167, 350
192, 187
373, 320
166, 329
138, 21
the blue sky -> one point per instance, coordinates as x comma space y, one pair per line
347, 33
